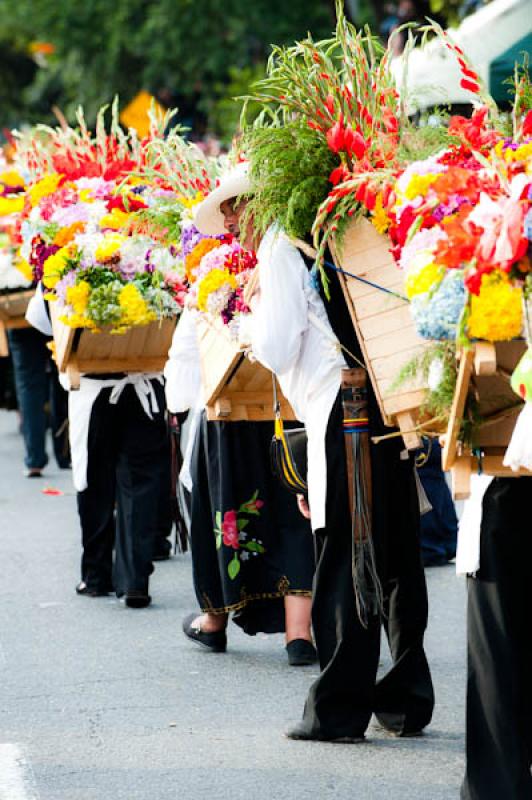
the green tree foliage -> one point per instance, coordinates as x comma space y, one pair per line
191, 48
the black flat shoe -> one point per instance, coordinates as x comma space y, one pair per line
301, 653
89, 591
300, 733
136, 598
216, 642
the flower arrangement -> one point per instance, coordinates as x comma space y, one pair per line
459, 232
14, 272
218, 271
82, 230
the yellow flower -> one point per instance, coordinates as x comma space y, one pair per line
11, 205
86, 196
22, 265
496, 313
55, 264
44, 187
11, 178
423, 274
211, 282
115, 220
419, 185
190, 202
380, 219
135, 310
78, 321
109, 247
78, 296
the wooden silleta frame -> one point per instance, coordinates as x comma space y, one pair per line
383, 323
235, 388
143, 348
484, 370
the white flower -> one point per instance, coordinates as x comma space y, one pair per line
435, 376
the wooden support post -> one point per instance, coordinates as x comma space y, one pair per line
223, 407
457, 409
406, 422
485, 358
461, 478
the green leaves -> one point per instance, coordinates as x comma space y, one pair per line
234, 567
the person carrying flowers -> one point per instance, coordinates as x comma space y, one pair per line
294, 333
252, 552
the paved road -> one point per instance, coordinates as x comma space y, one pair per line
98, 702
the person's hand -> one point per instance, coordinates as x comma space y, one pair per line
302, 504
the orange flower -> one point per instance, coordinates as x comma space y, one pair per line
193, 259
66, 235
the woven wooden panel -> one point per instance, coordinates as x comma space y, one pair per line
485, 371
383, 323
13, 307
143, 348
235, 388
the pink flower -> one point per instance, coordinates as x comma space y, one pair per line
230, 530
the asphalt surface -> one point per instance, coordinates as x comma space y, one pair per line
100, 702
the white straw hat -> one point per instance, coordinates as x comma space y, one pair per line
207, 217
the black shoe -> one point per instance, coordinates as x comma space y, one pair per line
137, 598
91, 591
301, 653
216, 642
300, 733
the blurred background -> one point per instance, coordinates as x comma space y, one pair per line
194, 54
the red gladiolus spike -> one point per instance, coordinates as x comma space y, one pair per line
329, 102
527, 124
469, 73
316, 58
470, 86
324, 76
314, 125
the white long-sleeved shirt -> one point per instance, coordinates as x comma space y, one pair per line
304, 355
183, 384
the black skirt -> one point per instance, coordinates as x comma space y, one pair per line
250, 545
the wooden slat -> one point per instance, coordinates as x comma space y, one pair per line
457, 409
4, 345
390, 321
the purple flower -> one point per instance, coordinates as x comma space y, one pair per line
40, 251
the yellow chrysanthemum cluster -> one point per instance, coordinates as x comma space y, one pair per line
496, 313
22, 265
380, 219
419, 185
135, 310
11, 205
44, 187
215, 279
55, 264
116, 220
78, 296
423, 274
11, 178
108, 247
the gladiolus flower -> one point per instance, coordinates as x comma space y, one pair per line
527, 124
470, 86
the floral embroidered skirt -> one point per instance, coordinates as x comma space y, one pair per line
250, 544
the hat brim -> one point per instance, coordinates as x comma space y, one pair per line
208, 218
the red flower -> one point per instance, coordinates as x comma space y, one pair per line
230, 530
527, 124
336, 136
465, 83
338, 175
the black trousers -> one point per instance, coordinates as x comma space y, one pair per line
343, 698
499, 686
128, 463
